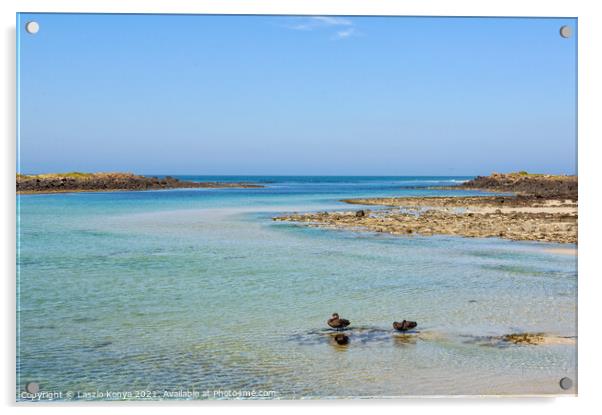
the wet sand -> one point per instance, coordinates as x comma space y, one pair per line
562, 251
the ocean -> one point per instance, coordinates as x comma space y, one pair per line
198, 294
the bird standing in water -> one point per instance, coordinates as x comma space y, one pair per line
336, 322
404, 325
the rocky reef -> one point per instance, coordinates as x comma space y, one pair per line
94, 182
539, 212
522, 339
537, 185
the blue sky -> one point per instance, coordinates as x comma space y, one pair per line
181, 94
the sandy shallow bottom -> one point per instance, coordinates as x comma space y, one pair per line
170, 291
562, 251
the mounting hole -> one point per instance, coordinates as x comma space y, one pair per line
566, 31
32, 387
566, 383
32, 27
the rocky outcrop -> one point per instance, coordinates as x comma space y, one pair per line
83, 182
490, 203
543, 208
539, 185
522, 339
525, 218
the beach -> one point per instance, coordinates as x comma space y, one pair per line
200, 289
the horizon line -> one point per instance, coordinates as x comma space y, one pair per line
297, 174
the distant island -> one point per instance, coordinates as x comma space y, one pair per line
541, 207
107, 182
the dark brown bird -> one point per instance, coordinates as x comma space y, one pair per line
336, 322
341, 339
404, 325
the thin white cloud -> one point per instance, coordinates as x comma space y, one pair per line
344, 34
326, 23
332, 21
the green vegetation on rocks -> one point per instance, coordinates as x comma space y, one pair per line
82, 182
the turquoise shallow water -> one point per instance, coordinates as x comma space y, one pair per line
199, 290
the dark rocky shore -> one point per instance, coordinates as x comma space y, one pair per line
98, 182
522, 183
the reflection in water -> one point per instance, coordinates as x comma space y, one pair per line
361, 335
340, 339
405, 339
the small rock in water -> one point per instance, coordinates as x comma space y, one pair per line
361, 213
524, 338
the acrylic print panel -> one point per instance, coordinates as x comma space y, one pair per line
285, 207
